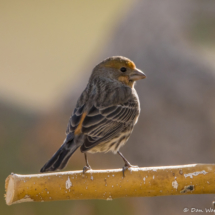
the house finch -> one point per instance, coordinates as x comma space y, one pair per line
105, 114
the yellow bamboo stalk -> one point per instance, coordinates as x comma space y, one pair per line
110, 184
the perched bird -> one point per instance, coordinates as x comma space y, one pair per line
105, 113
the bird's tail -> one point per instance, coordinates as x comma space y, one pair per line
61, 157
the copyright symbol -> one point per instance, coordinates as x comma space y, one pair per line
185, 210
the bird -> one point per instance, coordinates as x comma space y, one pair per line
105, 113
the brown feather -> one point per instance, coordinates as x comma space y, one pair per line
78, 130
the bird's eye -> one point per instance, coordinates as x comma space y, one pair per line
123, 69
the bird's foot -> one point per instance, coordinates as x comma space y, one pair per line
86, 168
127, 166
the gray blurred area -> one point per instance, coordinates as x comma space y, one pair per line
167, 40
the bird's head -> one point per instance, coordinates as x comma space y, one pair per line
118, 68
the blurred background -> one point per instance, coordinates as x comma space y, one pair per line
47, 52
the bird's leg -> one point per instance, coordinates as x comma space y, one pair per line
127, 163
87, 167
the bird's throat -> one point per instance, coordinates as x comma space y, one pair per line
125, 80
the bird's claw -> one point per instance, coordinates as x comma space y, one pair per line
86, 168
127, 167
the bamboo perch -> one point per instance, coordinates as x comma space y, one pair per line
110, 184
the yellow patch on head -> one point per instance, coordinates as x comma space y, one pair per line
131, 64
118, 62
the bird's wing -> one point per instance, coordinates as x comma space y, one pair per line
101, 123
75, 119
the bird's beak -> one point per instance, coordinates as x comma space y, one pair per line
137, 75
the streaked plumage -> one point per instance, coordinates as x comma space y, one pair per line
105, 114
